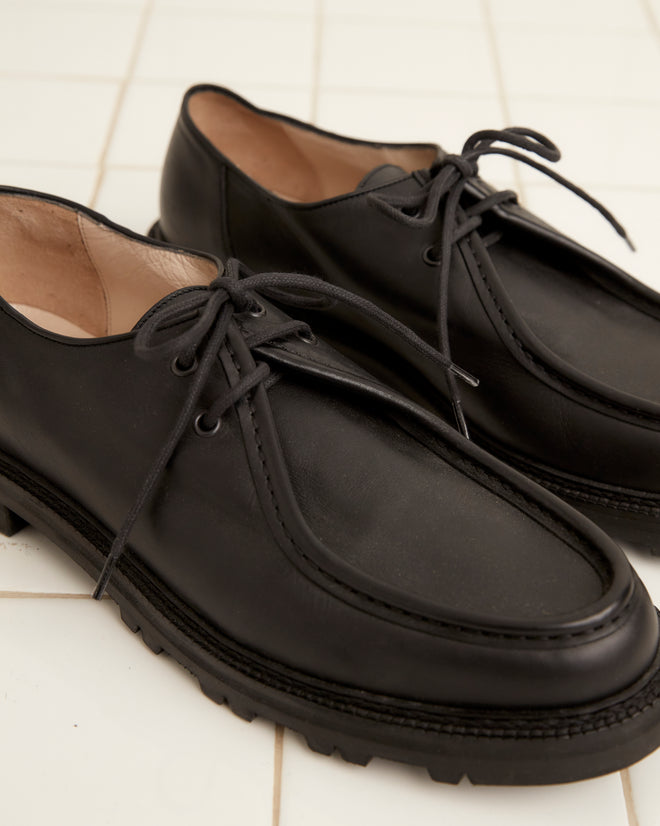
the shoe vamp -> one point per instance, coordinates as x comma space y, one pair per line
596, 332
402, 514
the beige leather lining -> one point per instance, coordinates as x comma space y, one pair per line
295, 163
51, 321
73, 276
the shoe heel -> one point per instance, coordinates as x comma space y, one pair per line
10, 522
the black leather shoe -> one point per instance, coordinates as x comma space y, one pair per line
314, 547
566, 346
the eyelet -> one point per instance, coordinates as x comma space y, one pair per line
178, 370
257, 310
205, 432
307, 336
430, 259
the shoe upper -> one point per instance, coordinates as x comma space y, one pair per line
565, 345
307, 510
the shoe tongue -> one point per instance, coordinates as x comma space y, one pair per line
392, 178
383, 174
168, 300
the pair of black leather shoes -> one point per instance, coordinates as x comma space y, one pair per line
308, 536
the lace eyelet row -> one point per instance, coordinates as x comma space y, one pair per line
202, 430
181, 370
257, 310
429, 258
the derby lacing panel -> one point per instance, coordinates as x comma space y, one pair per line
440, 195
209, 311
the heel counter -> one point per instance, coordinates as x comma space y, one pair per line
192, 195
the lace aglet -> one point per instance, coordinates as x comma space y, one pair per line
460, 417
468, 378
623, 234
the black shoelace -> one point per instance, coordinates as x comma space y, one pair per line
195, 350
446, 184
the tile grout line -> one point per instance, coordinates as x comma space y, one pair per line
277, 774
626, 782
651, 19
121, 96
58, 77
501, 86
316, 63
43, 595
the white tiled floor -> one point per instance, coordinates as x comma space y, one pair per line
95, 729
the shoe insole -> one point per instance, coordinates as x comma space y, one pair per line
579, 320
51, 321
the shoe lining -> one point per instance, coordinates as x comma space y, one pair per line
51, 321
76, 277
294, 162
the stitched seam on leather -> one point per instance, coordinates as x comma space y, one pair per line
394, 608
620, 499
531, 223
549, 371
628, 505
318, 361
583, 728
546, 726
99, 274
477, 472
490, 728
484, 476
550, 723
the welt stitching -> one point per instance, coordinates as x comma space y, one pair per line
500, 728
618, 500
395, 609
584, 727
480, 473
473, 469
487, 728
620, 408
477, 472
631, 505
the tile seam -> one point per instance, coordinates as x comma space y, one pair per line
316, 59
626, 783
42, 595
501, 86
277, 774
121, 96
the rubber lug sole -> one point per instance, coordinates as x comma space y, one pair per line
450, 742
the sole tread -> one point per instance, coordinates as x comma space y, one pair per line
329, 717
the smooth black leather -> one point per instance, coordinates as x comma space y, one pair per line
331, 526
566, 346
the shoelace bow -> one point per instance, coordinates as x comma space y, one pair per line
449, 177
195, 350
